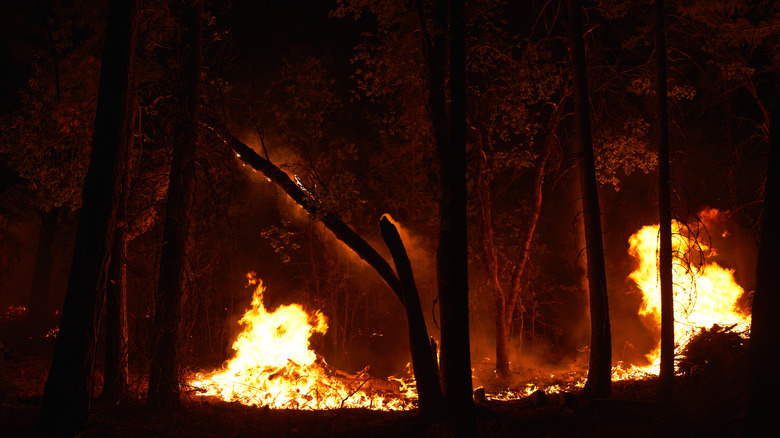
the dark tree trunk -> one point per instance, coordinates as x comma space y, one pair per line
666, 375
41, 286
449, 138
115, 374
599, 383
452, 254
425, 372
68, 393
164, 370
763, 386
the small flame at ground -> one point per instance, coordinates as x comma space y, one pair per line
274, 366
704, 293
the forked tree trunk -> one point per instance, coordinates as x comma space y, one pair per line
164, 369
599, 383
666, 375
763, 386
68, 393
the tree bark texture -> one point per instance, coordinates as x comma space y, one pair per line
164, 369
67, 395
115, 374
425, 372
666, 375
763, 385
599, 383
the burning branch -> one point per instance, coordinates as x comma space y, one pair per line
312, 205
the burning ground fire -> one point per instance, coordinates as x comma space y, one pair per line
274, 365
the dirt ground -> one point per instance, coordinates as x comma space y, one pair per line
702, 408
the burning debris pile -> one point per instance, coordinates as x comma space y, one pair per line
274, 366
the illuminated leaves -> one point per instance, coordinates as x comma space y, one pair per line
621, 152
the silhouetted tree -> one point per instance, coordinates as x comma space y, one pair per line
599, 383
164, 370
763, 386
666, 375
67, 396
447, 37
115, 374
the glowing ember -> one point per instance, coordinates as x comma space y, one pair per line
274, 366
704, 293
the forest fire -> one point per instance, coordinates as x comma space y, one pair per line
705, 293
274, 366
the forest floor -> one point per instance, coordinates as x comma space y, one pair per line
701, 408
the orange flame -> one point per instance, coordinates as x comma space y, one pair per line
704, 293
274, 366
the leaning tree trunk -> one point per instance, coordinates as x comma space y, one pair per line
425, 372
164, 369
418, 335
763, 386
599, 383
41, 286
666, 375
67, 396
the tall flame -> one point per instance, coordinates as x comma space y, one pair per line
274, 366
704, 293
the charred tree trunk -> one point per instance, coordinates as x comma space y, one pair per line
67, 396
666, 375
164, 370
425, 373
41, 286
763, 387
599, 383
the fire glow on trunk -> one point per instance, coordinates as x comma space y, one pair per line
704, 293
274, 366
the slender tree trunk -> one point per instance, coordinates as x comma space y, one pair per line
763, 386
666, 375
41, 286
599, 383
67, 396
115, 375
425, 373
164, 370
